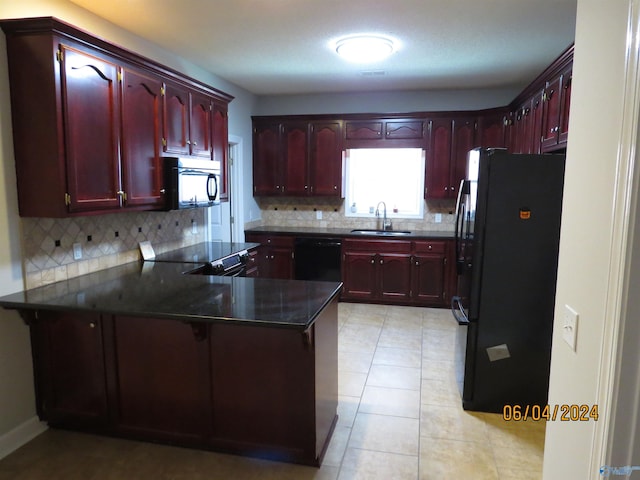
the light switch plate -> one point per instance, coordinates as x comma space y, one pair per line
570, 326
77, 251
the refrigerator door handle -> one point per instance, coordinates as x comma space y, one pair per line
458, 311
459, 227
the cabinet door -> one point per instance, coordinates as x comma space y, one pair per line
220, 145
551, 112
176, 119
200, 125
267, 176
563, 132
326, 159
429, 279
141, 139
163, 380
491, 131
92, 134
536, 120
280, 262
438, 159
295, 149
69, 368
464, 130
359, 275
395, 277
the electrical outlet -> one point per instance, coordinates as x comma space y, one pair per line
438, 217
318, 214
77, 251
570, 326
194, 228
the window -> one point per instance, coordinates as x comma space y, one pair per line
391, 175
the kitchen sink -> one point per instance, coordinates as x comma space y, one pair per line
384, 233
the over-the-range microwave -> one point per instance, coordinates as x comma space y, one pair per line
191, 182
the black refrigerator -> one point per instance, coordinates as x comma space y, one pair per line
506, 240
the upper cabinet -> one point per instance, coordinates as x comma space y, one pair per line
555, 115
91, 121
375, 132
450, 139
297, 157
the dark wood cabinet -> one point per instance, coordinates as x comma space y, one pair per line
162, 385
88, 121
220, 145
275, 255
91, 118
431, 276
491, 132
297, 157
141, 138
187, 121
555, 114
384, 132
69, 368
450, 140
397, 271
256, 390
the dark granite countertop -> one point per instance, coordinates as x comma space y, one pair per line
161, 290
346, 232
203, 252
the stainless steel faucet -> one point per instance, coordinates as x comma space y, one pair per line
386, 222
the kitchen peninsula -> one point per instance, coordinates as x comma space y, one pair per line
232, 364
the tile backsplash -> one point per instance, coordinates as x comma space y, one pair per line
302, 212
106, 241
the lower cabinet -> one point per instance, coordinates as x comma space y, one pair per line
402, 272
246, 389
275, 257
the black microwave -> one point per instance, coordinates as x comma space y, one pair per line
191, 182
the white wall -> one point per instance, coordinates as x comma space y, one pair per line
588, 248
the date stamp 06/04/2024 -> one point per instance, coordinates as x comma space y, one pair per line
563, 413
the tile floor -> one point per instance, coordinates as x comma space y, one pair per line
400, 418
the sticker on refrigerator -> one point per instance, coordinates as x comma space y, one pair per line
499, 352
525, 213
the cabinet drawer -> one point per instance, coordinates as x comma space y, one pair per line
377, 246
270, 240
404, 129
363, 130
431, 247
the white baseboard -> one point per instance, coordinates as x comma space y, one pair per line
23, 433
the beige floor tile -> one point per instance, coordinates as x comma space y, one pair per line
439, 392
395, 339
438, 369
451, 423
449, 459
390, 401
347, 409
361, 464
520, 474
356, 362
359, 333
394, 377
375, 319
337, 446
398, 357
385, 433
351, 384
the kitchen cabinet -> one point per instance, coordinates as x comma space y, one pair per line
384, 132
275, 257
162, 384
431, 276
450, 140
141, 138
297, 157
220, 145
187, 121
88, 118
491, 131
69, 367
397, 271
555, 114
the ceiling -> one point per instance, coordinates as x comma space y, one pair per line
274, 47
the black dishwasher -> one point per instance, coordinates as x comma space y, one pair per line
317, 258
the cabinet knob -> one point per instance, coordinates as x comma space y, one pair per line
92, 325
417, 263
452, 188
430, 247
195, 144
381, 262
188, 142
446, 188
162, 191
373, 261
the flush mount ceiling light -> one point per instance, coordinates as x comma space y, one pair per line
365, 48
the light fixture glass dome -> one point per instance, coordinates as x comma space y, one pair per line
365, 48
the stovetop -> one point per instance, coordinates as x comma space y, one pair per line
205, 252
